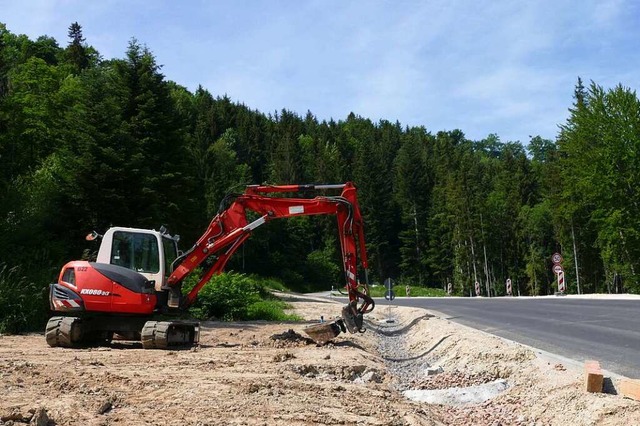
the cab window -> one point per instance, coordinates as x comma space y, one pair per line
135, 251
69, 276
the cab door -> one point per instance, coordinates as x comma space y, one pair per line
138, 251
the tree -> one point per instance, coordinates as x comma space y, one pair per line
150, 133
374, 154
413, 188
285, 164
31, 113
226, 173
599, 147
76, 51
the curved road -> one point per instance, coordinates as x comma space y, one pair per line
602, 329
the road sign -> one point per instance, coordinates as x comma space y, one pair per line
449, 288
561, 286
556, 258
389, 295
509, 286
477, 288
557, 269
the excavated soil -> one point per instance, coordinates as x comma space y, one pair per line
260, 373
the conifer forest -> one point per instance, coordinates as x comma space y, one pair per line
88, 142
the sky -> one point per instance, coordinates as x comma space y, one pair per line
482, 66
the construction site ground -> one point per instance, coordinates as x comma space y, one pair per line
417, 370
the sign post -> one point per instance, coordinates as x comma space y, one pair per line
449, 289
561, 286
508, 286
389, 295
559, 271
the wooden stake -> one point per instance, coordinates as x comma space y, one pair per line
593, 376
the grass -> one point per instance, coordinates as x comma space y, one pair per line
270, 310
399, 290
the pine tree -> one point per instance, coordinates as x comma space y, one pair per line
77, 49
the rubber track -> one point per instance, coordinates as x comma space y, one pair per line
155, 335
148, 335
63, 332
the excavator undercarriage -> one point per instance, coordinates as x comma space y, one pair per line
76, 332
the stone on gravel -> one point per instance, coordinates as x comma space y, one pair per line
41, 418
281, 357
14, 416
432, 371
369, 376
458, 396
106, 406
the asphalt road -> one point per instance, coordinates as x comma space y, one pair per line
579, 329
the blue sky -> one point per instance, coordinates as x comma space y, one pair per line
504, 67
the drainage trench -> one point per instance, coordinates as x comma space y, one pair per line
420, 381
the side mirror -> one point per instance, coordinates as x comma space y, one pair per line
92, 236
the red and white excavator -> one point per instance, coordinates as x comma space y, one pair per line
138, 273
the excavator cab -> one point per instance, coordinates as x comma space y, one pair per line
148, 252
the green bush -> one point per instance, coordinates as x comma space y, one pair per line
23, 302
226, 297
237, 297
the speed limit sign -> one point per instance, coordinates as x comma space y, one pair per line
556, 258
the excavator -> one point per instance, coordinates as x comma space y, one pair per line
134, 288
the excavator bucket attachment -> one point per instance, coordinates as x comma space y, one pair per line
324, 332
352, 321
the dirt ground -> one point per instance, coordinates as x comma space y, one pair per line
261, 373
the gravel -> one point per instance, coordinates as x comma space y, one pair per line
458, 397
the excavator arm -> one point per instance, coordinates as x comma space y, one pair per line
230, 228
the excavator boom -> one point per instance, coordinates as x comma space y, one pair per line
231, 227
